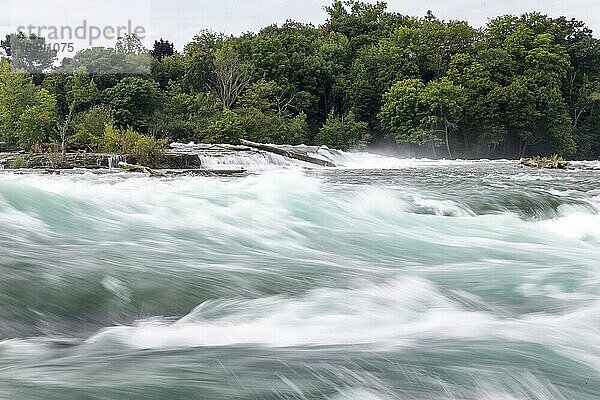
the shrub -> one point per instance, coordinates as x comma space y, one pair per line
225, 129
145, 150
18, 163
341, 132
90, 125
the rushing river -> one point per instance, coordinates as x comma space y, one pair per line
388, 279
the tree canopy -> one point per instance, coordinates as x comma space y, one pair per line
520, 85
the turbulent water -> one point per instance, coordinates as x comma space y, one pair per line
383, 279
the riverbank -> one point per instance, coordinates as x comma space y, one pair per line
189, 157
224, 159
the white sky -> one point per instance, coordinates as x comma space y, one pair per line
179, 20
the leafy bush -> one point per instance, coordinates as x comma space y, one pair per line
296, 130
226, 129
90, 125
145, 150
18, 163
341, 132
133, 100
185, 117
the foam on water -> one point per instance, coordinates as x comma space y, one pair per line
402, 313
113, 161
347, 160
253, 161
451, 280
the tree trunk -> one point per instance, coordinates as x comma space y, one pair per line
524, 148
447, 141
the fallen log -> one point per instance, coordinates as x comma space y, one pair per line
139, 168
288, 153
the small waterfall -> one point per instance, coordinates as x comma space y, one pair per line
244, 160
113, 161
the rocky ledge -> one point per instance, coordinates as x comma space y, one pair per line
172, 159
545, 163
190, 157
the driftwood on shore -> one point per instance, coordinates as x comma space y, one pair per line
545, 163
287, 153
139, 168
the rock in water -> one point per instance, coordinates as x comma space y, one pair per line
546, 163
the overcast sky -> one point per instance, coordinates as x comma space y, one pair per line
180, 20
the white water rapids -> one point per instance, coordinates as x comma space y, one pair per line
381, 279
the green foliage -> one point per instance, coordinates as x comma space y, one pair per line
199, 56
148, 151
129, 44
81, 91
403, 114
296, 130
417, 113
169, 70
185, 117
29, 53
521, 85
145, 150
162, 49
27, 112
107, 66
90, 125
133, 100
341, 132
18, 163
227, 128
268, 127
35, 122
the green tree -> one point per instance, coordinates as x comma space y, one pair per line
133, 100
227, 128
199, 55
81, 91
161, 49
107, 66
341, 132
443, 102
27, 112
415, 113
169, 70
185, 117
130, 44
361, 22
403, 114
29, 53
90, 124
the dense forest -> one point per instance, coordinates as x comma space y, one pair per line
519, 86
